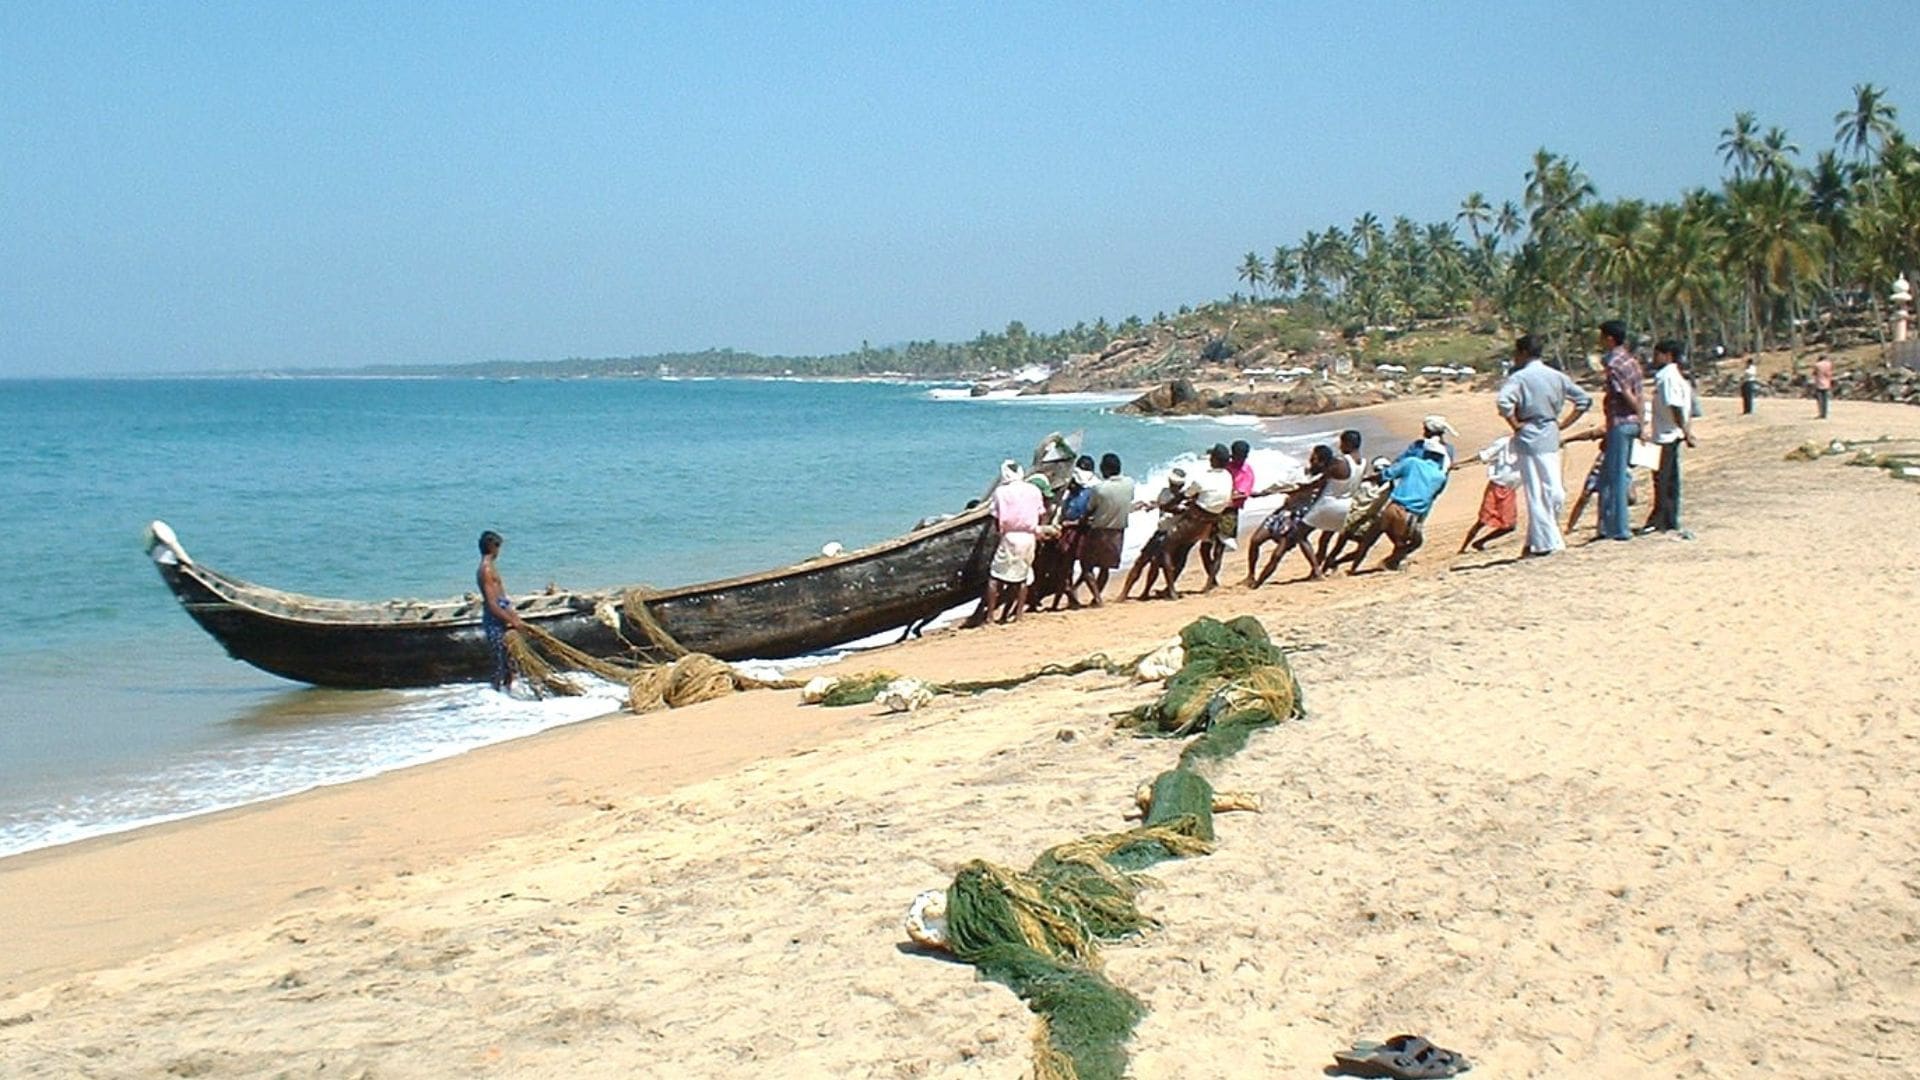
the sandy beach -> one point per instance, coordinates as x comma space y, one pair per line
1640, 809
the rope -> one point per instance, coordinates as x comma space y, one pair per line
864, 687
633, 603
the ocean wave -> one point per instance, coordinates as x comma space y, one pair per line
424, 726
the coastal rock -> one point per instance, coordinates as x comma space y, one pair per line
1180, 398
1174, 398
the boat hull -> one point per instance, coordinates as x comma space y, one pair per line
801, 609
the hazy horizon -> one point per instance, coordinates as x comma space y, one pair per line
198, 189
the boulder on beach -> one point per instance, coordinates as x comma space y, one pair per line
1175, 398
1180, 398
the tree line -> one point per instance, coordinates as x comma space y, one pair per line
1779, 249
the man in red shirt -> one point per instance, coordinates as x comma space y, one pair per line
1823, 383
1227, 531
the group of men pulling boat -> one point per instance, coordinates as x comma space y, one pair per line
1055, 542
1064, 533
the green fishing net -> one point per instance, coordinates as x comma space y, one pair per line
1036, 930
1233, 679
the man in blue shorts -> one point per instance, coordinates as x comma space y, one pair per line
496, 612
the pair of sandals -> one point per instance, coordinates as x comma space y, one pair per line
1403, 1057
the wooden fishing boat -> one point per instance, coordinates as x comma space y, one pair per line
799, 609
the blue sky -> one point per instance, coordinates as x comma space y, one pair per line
199, 187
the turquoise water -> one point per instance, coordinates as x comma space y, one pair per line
116, 709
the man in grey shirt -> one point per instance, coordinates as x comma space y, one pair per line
1531, 401
1106, 535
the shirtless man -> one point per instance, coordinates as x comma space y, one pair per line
496, 615
1289, 524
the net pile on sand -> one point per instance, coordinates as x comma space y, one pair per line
1233, 682
1036, 930
1902, 463
544, 661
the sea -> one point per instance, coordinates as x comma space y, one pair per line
117, 711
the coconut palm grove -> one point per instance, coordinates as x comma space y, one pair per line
1785, 250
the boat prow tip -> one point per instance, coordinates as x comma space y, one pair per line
160, 535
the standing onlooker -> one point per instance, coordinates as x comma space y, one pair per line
1531, 400
1749, 387
1823, 383
1623, 402
1672, 426
1106, 529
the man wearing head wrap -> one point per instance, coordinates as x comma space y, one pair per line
1417, 480
1432, 426
1071, 516
1016, 510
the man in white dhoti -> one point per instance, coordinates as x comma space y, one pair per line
1531, 401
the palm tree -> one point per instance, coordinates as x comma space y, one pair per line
1476, 213
1508, 223
1366, 232
1283, 270
1890, 220
1335, 257
1869, 121
1555, 189
1253, 271
1773, 157
1312, 274
1739, 147
1830, 190
1615, 235
1774, 242
1684, 262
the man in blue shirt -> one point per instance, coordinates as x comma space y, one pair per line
1418, 479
